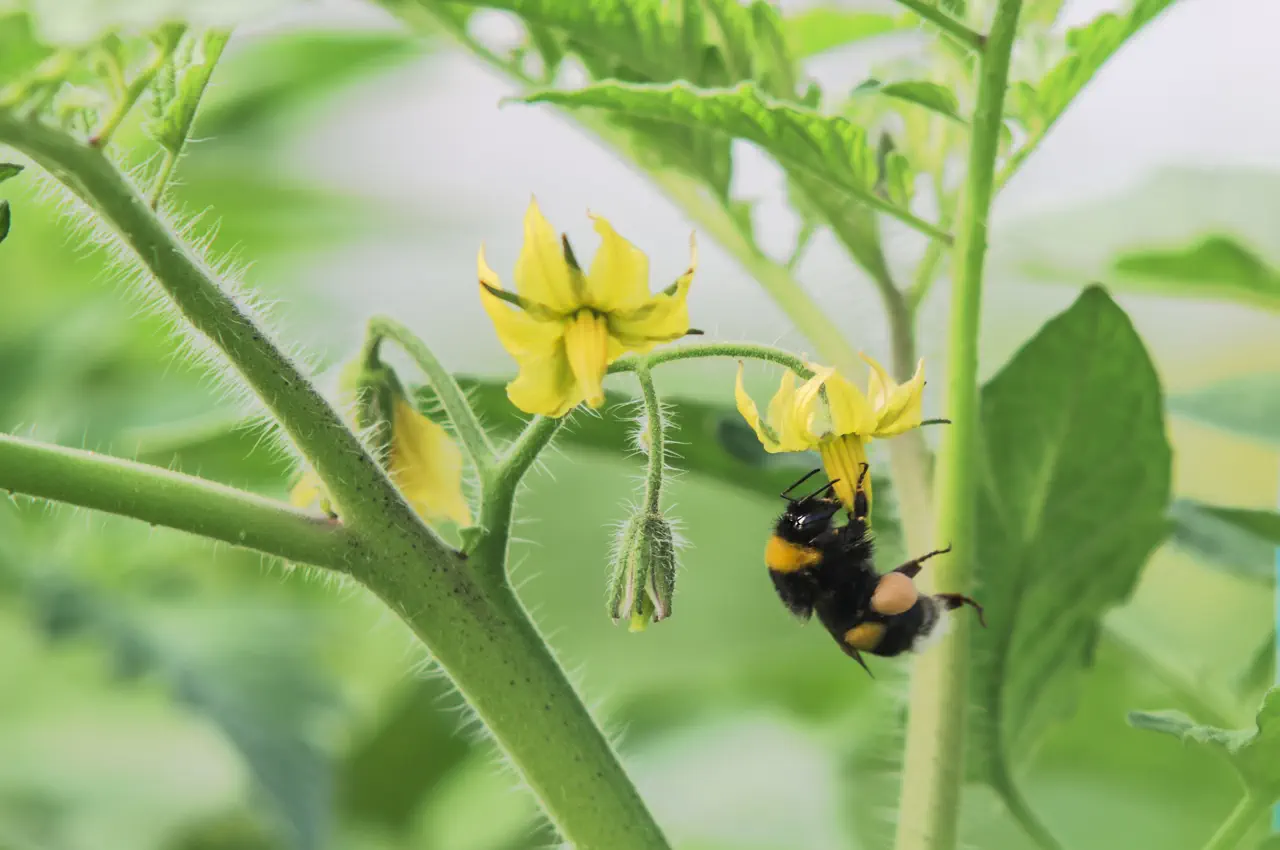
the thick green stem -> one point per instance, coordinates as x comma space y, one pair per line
934, 761
465, 423
365, 496
1237, 825
657, 442
161, 497
478, 632
946, 23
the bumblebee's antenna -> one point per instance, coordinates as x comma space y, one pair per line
807, 476
829, 486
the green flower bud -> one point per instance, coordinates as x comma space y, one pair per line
644, 571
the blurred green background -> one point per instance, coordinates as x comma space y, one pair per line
160, 692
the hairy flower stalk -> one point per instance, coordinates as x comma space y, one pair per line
565, 326
828, 413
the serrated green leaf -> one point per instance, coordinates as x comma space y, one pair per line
1088, 49
1075, 490
734, 22
824, 28
1235, 540
174, 126
932, 96
1217, 267
1254, 753
775, 69
1248, 405
641, 35
827, 147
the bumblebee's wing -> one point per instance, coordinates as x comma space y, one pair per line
797, 590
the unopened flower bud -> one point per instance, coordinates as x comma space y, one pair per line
644, 571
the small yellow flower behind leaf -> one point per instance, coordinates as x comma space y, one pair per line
420, 456
426, 464
799, 420
565, 326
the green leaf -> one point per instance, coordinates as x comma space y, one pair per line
639, 37
1236, 540
173, 126
1254, 753
1216, 267
9, 169
775, 68
734, 22
1261, 670
6, 218
932, 96
829, 148
824, 28
1248, 405
222, 678
1075, 490
1088, 49
268, 79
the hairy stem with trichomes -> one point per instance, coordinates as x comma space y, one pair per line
933, 768
473, 627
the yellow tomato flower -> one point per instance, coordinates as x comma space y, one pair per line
564, 327
798, 420
423, 461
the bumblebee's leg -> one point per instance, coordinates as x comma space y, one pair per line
861, 508
912, 568
952, 601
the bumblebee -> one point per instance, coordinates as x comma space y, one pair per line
820, 567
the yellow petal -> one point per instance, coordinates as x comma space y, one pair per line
804, 408
427, 466
751, 413
850, 411
898, 408
661, 318
587, 347
619, 275
542, 274
545, 385
309, 492
520, 333
842, 459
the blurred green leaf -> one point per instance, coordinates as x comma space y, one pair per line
255, 684
19, 47
8, 169
1074, 500
1089, 47
775, 68
734, 20
817, 30
1254, 753
6, 219
932, 96
1248, 405
1042, 12
1237, 540
1217, 267
1261, 670
414, 746
828, 147
266, 80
